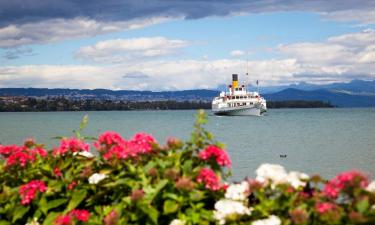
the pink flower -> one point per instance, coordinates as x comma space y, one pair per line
344, 181
21, 155
107, 139
141, 143
111, 218
80, 214
209, 178
112, 146
71, 145
216, 153
28, 191
77, 214
7, 150
324, 207
72, 185
21, 158
63, 220
57, 172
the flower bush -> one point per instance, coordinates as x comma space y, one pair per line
139, 181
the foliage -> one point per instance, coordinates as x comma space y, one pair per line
139, 181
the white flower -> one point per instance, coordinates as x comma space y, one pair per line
295, 178
271, 172
225, 208
276, 174
96, 178
177, 222
238, 192
84, 154
371, 186
33, 222
271, 220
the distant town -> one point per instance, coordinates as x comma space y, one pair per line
31, 104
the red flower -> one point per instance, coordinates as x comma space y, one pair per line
80, 214
57, 172
216, 153
209, 178
28, 191
113, 146
107, 139
71, 145
324, 207
72, 185
20, 155
344, 181
63, 220
7, 150
111, 218
141, 143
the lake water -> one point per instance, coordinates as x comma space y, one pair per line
324, 141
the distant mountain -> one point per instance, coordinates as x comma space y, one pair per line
357, 93
357, 86
204, 95
339, 99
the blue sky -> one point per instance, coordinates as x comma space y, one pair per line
187, 49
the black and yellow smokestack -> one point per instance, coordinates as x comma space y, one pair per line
234, 80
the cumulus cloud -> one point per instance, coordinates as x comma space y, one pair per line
119, 50
339, 58
148, 75
237, 53
19, 11
62, 29
342, 55
39, 21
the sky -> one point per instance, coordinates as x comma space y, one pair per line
184, 44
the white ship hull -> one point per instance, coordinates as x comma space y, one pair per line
238, 111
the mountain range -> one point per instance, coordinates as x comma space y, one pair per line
357, 93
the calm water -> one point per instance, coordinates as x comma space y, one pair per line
323, 141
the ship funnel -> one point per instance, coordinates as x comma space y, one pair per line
234, 80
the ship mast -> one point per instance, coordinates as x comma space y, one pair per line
247, 70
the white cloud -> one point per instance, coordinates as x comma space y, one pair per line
63, 29
237, 53
339, 58
345, 55
119, 50
149, 75
364, 16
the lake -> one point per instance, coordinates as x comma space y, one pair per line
325, 141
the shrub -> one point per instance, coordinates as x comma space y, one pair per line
138, 181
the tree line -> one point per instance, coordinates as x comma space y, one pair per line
64, 104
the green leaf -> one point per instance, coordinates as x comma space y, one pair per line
187, 167
77, 198
19, 212
196, 195
151, 212
157, 189
84, 122
170, 207
55, 203
4, 222
362, 206
50, 218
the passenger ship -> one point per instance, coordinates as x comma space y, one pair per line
238, 101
